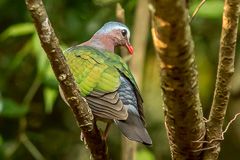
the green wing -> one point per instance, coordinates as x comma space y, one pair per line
97, 74
92, 70
97, 70
98, 80
121, 65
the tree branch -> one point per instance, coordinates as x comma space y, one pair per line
197, 9
179, 77
224, 75
78, 104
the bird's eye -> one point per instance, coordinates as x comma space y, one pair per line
124, 32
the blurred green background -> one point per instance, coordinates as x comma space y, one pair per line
35, 120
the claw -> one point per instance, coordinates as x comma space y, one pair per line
81, 136
83, 139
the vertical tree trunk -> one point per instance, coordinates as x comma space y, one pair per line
179, 77
224, 76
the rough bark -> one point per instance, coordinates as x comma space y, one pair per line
78, 104
224, 76
179, 77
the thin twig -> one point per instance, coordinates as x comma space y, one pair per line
166, 126
230, 123
224, 76
208, 142
12, 149
216, 139
23, 124
207, 148
197, 9
31, 148
33, 89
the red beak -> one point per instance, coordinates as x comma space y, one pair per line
129, 47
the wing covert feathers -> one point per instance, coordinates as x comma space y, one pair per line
110, 89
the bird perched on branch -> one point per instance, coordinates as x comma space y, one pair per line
106, 82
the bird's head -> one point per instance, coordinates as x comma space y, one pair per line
118, 33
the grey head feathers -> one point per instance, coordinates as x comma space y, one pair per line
109, 26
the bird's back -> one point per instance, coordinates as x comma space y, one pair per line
109, 88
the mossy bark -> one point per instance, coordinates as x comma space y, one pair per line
78, 104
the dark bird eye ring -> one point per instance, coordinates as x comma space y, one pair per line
124, 32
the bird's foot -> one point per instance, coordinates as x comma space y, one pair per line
104, 136
81, 136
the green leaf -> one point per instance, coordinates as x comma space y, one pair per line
104, 2
50, 96
2, 154
49, 78
210, 9
42, 60
9, 108
145, 155
2, 2
20, 55
63, 46
43, 65
20, 29
44, 68
1, 140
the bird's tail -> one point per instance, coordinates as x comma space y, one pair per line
134, 129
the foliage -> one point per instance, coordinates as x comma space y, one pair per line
29, 90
